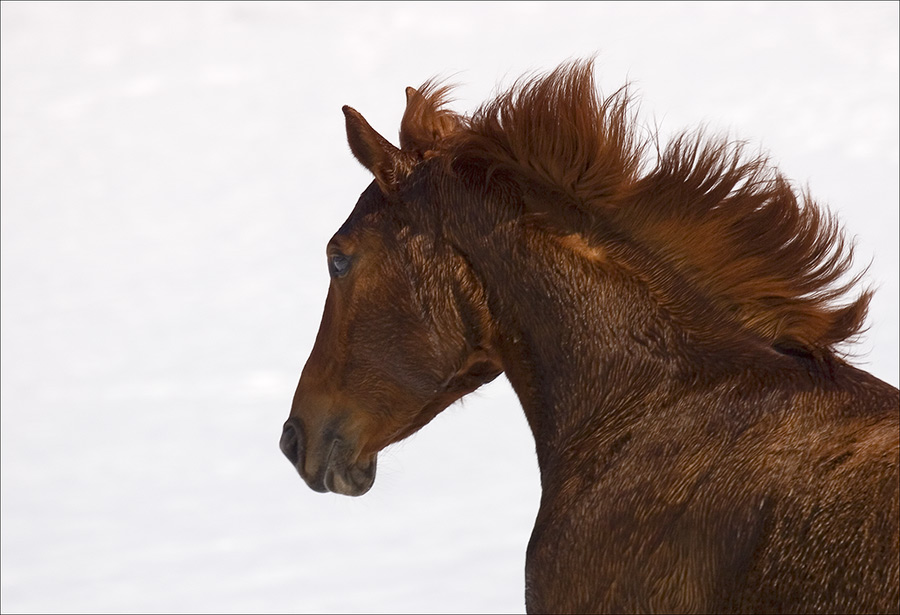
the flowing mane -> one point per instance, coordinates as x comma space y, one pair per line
767, 259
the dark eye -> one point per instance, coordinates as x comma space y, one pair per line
338, 265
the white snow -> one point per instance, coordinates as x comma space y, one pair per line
170, 175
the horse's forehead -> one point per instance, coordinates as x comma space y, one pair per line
370, 203
398, 216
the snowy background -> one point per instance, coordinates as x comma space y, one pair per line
170, 175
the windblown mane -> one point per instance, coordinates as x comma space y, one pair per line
766, 257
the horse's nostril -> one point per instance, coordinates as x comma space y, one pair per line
291, 444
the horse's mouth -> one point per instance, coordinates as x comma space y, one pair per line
347, 479
333, 469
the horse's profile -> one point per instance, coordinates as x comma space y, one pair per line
671, 324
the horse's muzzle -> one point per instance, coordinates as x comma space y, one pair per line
328, 467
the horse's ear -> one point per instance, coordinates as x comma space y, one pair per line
372, 150
425, 122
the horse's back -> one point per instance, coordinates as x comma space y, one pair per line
830, 475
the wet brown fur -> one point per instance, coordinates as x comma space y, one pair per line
673, 328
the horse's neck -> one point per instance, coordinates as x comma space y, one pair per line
583, 343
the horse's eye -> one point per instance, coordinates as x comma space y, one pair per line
338, 265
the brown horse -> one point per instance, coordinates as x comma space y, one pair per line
671, 327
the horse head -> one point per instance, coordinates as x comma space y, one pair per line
405, 330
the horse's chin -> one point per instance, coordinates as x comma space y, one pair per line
341, 473
347, 479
